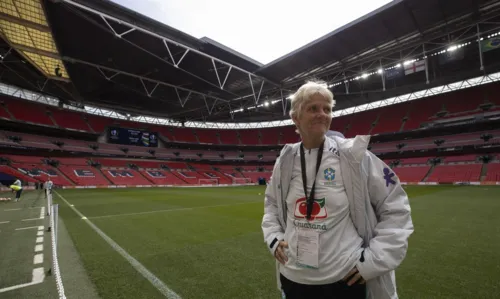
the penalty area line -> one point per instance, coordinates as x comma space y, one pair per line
155, 281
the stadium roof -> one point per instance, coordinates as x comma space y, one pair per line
120, 60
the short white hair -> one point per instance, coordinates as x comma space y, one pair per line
304, 94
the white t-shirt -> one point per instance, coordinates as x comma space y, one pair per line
340, 244
48, 185
17, 183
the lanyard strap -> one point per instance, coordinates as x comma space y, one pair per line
310, 198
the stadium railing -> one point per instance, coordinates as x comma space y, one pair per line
53, 213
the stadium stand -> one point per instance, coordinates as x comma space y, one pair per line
375, 121
414, 161
162, 177
228, 137
248, 137
413, 174
390, 119
117, 170
493, 174
464, 158
17, 174
361, 123
127, 177
69, 120
25, 111
207, 136
3, 112
84, 175
270, 136
455, 173
183, 135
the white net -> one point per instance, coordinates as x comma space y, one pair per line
240, 181
210, 182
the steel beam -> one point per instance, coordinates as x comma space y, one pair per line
412, 17
171, 63
116, 71
24, 22
382, 75
114, 31
400, 47
426, 64
183, 102
217, 74
149, 93
36, 51
443, 46
284, 102
208, 108
165, 39
480, 48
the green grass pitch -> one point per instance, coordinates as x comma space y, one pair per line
207, 242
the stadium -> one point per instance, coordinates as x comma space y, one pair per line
160, 146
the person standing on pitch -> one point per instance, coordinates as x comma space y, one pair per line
336, 217
48, 186
18, 189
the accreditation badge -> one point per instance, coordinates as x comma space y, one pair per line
308, 248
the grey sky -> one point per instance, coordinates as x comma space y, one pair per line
263, 30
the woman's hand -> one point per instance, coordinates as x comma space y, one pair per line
279, 254
354, 279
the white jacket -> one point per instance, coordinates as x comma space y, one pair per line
378, 204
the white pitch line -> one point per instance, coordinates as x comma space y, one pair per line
32, 219
42, 212
39, 233
29, 227
38, 276
3, 222
38, 247
40, 227
12, 210
155, 281
38, 259
39, 240
176, 210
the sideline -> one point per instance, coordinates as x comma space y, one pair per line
155, 281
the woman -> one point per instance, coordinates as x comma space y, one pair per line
336, 217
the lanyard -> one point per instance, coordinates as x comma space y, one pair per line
310, 199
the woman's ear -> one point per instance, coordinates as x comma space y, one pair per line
295, 120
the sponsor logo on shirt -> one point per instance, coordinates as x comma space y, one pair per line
318, 210
329, 174
316, 226
334, 151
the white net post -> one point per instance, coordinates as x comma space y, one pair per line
241, 181
49, 201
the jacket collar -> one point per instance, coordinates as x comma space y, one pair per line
353, 148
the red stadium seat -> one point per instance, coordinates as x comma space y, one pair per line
412, 174
455, 173
493, 174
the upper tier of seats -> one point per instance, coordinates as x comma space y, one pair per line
387, 119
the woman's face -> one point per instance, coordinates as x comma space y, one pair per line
315, 117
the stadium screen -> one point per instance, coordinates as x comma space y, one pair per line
132, 137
